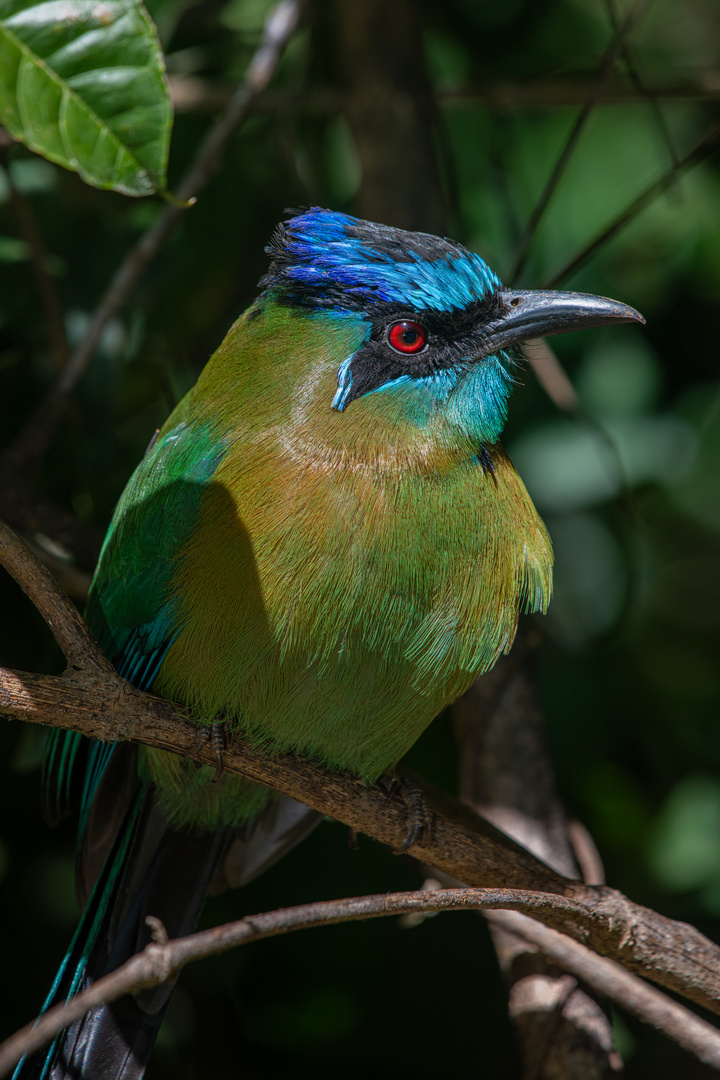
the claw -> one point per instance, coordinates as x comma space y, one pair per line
218, 738
203, 736
221, 736
419, 817
418, 814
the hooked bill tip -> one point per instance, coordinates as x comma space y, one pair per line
540, 313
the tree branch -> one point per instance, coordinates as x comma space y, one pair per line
607, 977
70, 631
389, 103
604, 68
194, 93
47, 290
91, 698
703, 149
551, 375
162, 959
507, 776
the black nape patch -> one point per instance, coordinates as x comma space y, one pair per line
401, 246
486, 462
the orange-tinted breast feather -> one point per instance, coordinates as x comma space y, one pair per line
350, 574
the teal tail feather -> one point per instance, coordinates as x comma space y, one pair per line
131, 867
152, 869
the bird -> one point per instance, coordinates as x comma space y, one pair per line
322, 548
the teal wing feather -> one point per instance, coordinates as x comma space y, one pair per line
129, 608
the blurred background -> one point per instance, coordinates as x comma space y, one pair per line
449, 117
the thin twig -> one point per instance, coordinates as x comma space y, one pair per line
604, 68
642, 89
551, 375
507, 775
586, 853
71, 578
70, 631
32, 441
543, 93
608, 978
192, 93
701, 151
160, 960
47, 290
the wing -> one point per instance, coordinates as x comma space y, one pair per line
130, 608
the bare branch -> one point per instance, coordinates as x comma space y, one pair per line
30, 445
586, 853
162, 959
460, 843
698, 154
388, 103
551, 375
604, 68
608, 978
69, 629
47, 290
193, 93
642, 89
71, 578
45, 522
507, 776
92, 699
545, 93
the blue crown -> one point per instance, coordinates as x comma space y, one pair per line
328, 260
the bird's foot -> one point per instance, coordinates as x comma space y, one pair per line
219, 734
419, 817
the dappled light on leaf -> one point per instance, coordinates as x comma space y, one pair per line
83, 84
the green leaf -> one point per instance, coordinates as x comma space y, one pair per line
82, 82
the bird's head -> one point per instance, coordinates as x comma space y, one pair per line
439, 332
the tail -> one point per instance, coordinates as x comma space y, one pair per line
153, 869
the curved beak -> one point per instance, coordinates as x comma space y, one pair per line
532, 314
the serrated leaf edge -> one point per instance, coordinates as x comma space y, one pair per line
104, 128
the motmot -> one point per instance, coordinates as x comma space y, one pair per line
323, 547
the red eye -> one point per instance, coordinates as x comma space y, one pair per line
407, 337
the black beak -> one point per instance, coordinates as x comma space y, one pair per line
533, 314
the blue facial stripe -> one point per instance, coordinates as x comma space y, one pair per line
344, 384
440, 384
